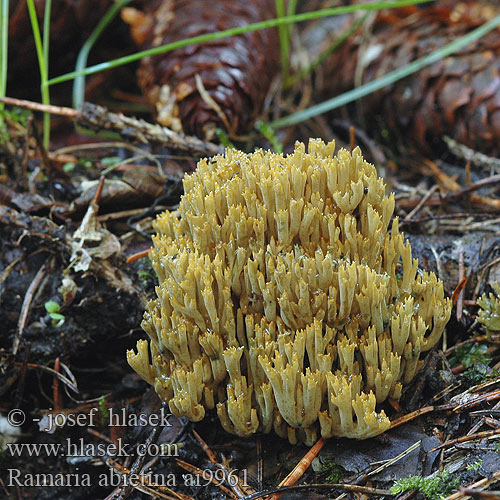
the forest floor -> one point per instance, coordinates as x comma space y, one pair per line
75, 226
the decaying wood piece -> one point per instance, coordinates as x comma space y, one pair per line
98, 118
458, 96
234, 74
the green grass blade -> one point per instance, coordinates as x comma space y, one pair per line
292, 7
46, 34
270, 23
284, 36
41, 63
269, 134
389, 78
290, 11
81, 62
4, 47
37, 37
44, 86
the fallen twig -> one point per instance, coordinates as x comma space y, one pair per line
457, 191
137, 256
330, 486
411, 416
144, 482
138, 463
464, 439
55, 385
461, 285
473, 340
469, 155
393, 460
482, 483
457, 215
299, 469
98, 118
421, 203
61, 377
492, 396
495, 495
234, 484
25, 308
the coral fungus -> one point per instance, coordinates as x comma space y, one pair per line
283, 300
489, 311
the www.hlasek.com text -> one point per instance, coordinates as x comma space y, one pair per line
82, 449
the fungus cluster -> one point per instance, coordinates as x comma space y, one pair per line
283, 300
488, 314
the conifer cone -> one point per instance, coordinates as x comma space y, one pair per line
235, 72
458, 96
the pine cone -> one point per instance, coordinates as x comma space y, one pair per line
458, 96
236, 72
